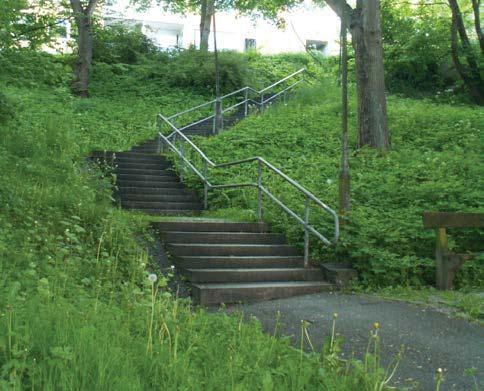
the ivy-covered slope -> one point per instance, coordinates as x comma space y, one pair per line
435, 164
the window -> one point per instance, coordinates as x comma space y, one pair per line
315, 45
250, 44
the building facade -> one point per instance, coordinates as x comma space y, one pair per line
307, 26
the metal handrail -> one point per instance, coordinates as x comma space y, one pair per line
219, 110
246, 90
208, 163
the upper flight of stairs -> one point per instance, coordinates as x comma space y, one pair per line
224, 261
146, 181
229, 262
205, 128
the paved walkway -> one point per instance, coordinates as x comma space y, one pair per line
432, 339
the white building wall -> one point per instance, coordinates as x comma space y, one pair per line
307, 22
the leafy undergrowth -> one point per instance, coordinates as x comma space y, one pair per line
469, 305
435, 164
77, 310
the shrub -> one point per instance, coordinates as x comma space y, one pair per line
118, 44
196, 69
7, 108
34, 69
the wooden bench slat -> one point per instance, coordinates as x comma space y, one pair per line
453, 220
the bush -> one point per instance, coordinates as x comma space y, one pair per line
34, 69
417, 48
118, 44
7, 108
195, 69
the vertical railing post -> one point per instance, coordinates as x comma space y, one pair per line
259, 190
306, 232
218, 119
284, 97
205, 185
262, 102
246, 102
158, 129
214, 127
182, 162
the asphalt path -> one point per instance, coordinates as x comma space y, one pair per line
431, 339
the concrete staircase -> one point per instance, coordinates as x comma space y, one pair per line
205, 128
146, 181
224, 261
229, 262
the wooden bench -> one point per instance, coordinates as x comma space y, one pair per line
448, 263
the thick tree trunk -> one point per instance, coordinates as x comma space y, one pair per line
207, 11
83, 17
84, 56
370, 76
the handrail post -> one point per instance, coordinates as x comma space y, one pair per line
261, 102
218, 119
158, 129
205, 185
214, 127
182, 162
246, 104
259, 190
284, 97
306, 232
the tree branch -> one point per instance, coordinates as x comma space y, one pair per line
477, 22
459, 25
340, 7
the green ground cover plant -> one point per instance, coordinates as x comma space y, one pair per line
434, 164
77, 307
467, 304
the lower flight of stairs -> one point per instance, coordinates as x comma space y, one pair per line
146, 181
230, 262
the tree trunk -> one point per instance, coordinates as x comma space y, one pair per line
370, 77
83, 17
84, 56
207, 11
469, 74
476, 7
344, 176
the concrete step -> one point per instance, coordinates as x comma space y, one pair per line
206, 294
161, 191
143, 171
146, 150
222, 237
211, 226
124, 154
247, 262
143, 166
161, 205
157, 197
201, 133
213, 275
142, 159
150, 184
164, 177
181, 249
166, 212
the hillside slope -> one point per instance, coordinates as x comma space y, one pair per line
435, 164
